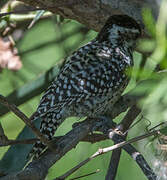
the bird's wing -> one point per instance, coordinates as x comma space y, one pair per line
91, 74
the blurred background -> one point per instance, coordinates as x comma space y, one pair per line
50, 40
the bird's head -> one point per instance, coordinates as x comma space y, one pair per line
121, 28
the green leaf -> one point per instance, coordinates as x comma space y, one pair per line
15, 158
164, 130
31, 89
149, 21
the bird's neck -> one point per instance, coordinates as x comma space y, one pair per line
119, 47
118, 41
124, 45
116, 37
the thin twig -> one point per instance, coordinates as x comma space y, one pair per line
9, 142
26, 120
98, 170
3, 137
38, 169
1, 130
160, 124
4, 141
108, 149
137, 156
26, 17
21, 11
135, 139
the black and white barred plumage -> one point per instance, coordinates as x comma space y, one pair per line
92, 78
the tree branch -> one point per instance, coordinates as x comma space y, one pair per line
122, 105
94, 13
38, 169
123, 128
26, 120
127, 147
113, 164
9, 142
137, 156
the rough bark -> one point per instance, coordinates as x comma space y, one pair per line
94, 13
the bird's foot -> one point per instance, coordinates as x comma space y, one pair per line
103, 124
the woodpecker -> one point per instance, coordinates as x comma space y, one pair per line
91, 79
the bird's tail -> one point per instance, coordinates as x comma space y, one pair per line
48, 126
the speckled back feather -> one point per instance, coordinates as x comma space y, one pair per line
91, 79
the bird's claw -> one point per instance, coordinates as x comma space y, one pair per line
103, 124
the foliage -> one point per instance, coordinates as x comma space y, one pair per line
44, 45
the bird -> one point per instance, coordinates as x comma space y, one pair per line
91, 79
